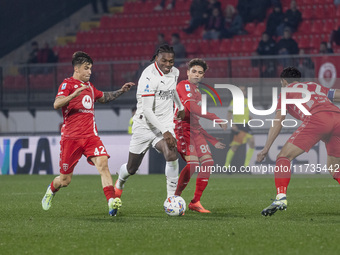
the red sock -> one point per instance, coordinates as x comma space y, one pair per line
109, 192
53, 189
185, 176
336, 177
282, 174
202, 179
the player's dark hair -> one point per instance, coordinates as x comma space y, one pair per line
80, 58
290, 74
198, 62
163, 49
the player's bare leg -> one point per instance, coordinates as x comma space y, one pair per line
282, 175
171, 167
102, 166
333, 165
126, 170
63, 180
201, 183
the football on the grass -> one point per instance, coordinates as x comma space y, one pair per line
174, 206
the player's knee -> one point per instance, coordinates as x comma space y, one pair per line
170, 155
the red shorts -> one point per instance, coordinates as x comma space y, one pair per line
71, 151
192, 144
324, 126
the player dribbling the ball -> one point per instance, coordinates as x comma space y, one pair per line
76, 97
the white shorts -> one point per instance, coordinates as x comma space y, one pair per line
142, 137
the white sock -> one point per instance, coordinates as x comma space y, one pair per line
123, 176
110, 200
280, 195
171, 173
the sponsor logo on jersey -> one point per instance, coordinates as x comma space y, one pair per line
87, 102
75, 86
86, 111
63, 86
189, 95
65, 166
147, 88
187, 87
60, 93
166, 94
191, 148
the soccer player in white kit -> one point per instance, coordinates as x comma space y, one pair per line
153, 122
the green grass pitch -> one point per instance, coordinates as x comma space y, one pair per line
78, 221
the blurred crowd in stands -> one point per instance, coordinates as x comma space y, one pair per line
225, 23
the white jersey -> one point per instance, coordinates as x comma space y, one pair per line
153, 82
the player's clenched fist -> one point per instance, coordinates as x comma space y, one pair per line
170, 140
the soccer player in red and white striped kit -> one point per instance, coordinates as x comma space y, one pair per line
192, 138
323, 124
76, 97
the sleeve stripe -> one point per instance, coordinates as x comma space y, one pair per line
149, 95
190, 100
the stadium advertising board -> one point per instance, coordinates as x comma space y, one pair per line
40, 155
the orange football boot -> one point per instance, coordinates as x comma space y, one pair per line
197, 207
118, 192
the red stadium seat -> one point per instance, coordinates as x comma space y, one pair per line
305, 27
8, 83
249, 45
192, 48
214, 46
317, 27
236, 45
306, 2
307, 12
19, 82
182, 5
329, 25
225, 46
315, 42
304, 42
260, 28
319, 12
250, 27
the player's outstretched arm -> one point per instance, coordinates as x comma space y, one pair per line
274, 131
112, 95
62, 100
